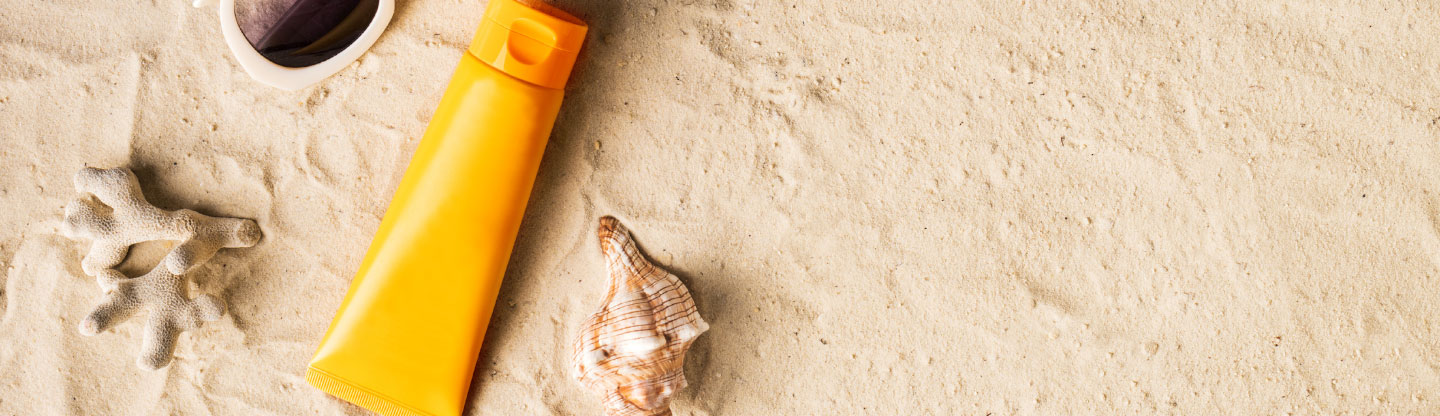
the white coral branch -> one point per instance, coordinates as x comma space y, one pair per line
165, 299
116, 218
121, 217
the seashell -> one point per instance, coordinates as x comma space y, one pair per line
633, 350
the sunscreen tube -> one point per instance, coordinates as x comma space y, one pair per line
408, 332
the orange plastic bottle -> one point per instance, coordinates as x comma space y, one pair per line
408, 332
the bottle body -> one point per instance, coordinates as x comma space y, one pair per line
408, 332
411, 326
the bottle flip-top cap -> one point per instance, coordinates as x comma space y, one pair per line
529, 40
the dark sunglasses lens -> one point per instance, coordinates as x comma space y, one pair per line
300, 33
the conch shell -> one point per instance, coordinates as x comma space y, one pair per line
632, 351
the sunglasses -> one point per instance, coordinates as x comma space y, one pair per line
291, 44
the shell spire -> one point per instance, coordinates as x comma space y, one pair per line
633, 350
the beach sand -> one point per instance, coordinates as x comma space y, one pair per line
881, 207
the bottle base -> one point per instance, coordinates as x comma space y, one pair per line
360, 396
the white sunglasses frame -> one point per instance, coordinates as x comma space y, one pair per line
292, 79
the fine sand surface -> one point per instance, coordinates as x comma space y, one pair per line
881, 207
